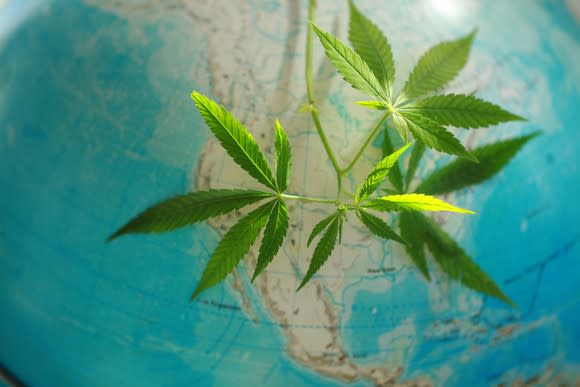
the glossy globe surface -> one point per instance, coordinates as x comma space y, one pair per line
96, 124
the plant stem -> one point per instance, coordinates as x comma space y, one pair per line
308, 199
310, 94
370, 138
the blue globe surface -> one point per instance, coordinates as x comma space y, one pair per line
96, 124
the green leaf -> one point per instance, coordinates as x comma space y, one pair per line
413, 202
438, 66
320, 226
350, 65
274, 235
233, 247
283, 157
401, 127
461, 173
457, 264
413, 231
378, 174
414, 160
395, 175
434, 135
462, 111
373, 47
378, 227
322, 251
235, 139
374, 105
183, 210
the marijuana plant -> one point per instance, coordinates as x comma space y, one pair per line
414, 111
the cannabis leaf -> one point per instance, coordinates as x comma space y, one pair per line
378, 174
350, 65
235, 139
456, 263
394, 175
461, 173
373, 47
233, 247
283, 157
183, 210
434, 135
319, 227
438, 66
413, 202
368, 67
462, 111
323, 249
274, 235
401, 126
413, 231
414, 160
378, 227
374, 105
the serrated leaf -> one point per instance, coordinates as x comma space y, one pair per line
378, 227
378, 174
283, 157
322, 251
413, 231
374, 105
235, 139
437, 66
274, 235
461, 173
414, 160
373, 47
401, 127
395, 176
462, 111
183, 210
350, 65
457, 264
413, 202
434, 135
233, 247
319, 227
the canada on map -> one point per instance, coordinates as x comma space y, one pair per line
97, 124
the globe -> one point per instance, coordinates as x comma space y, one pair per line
96, 124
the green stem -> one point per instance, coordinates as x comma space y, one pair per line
308, 199
370, 138
310, 94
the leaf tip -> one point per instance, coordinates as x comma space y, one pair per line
196, 293
511, 303
116, 234
195, 95
469, 37
111, 237
302, 284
